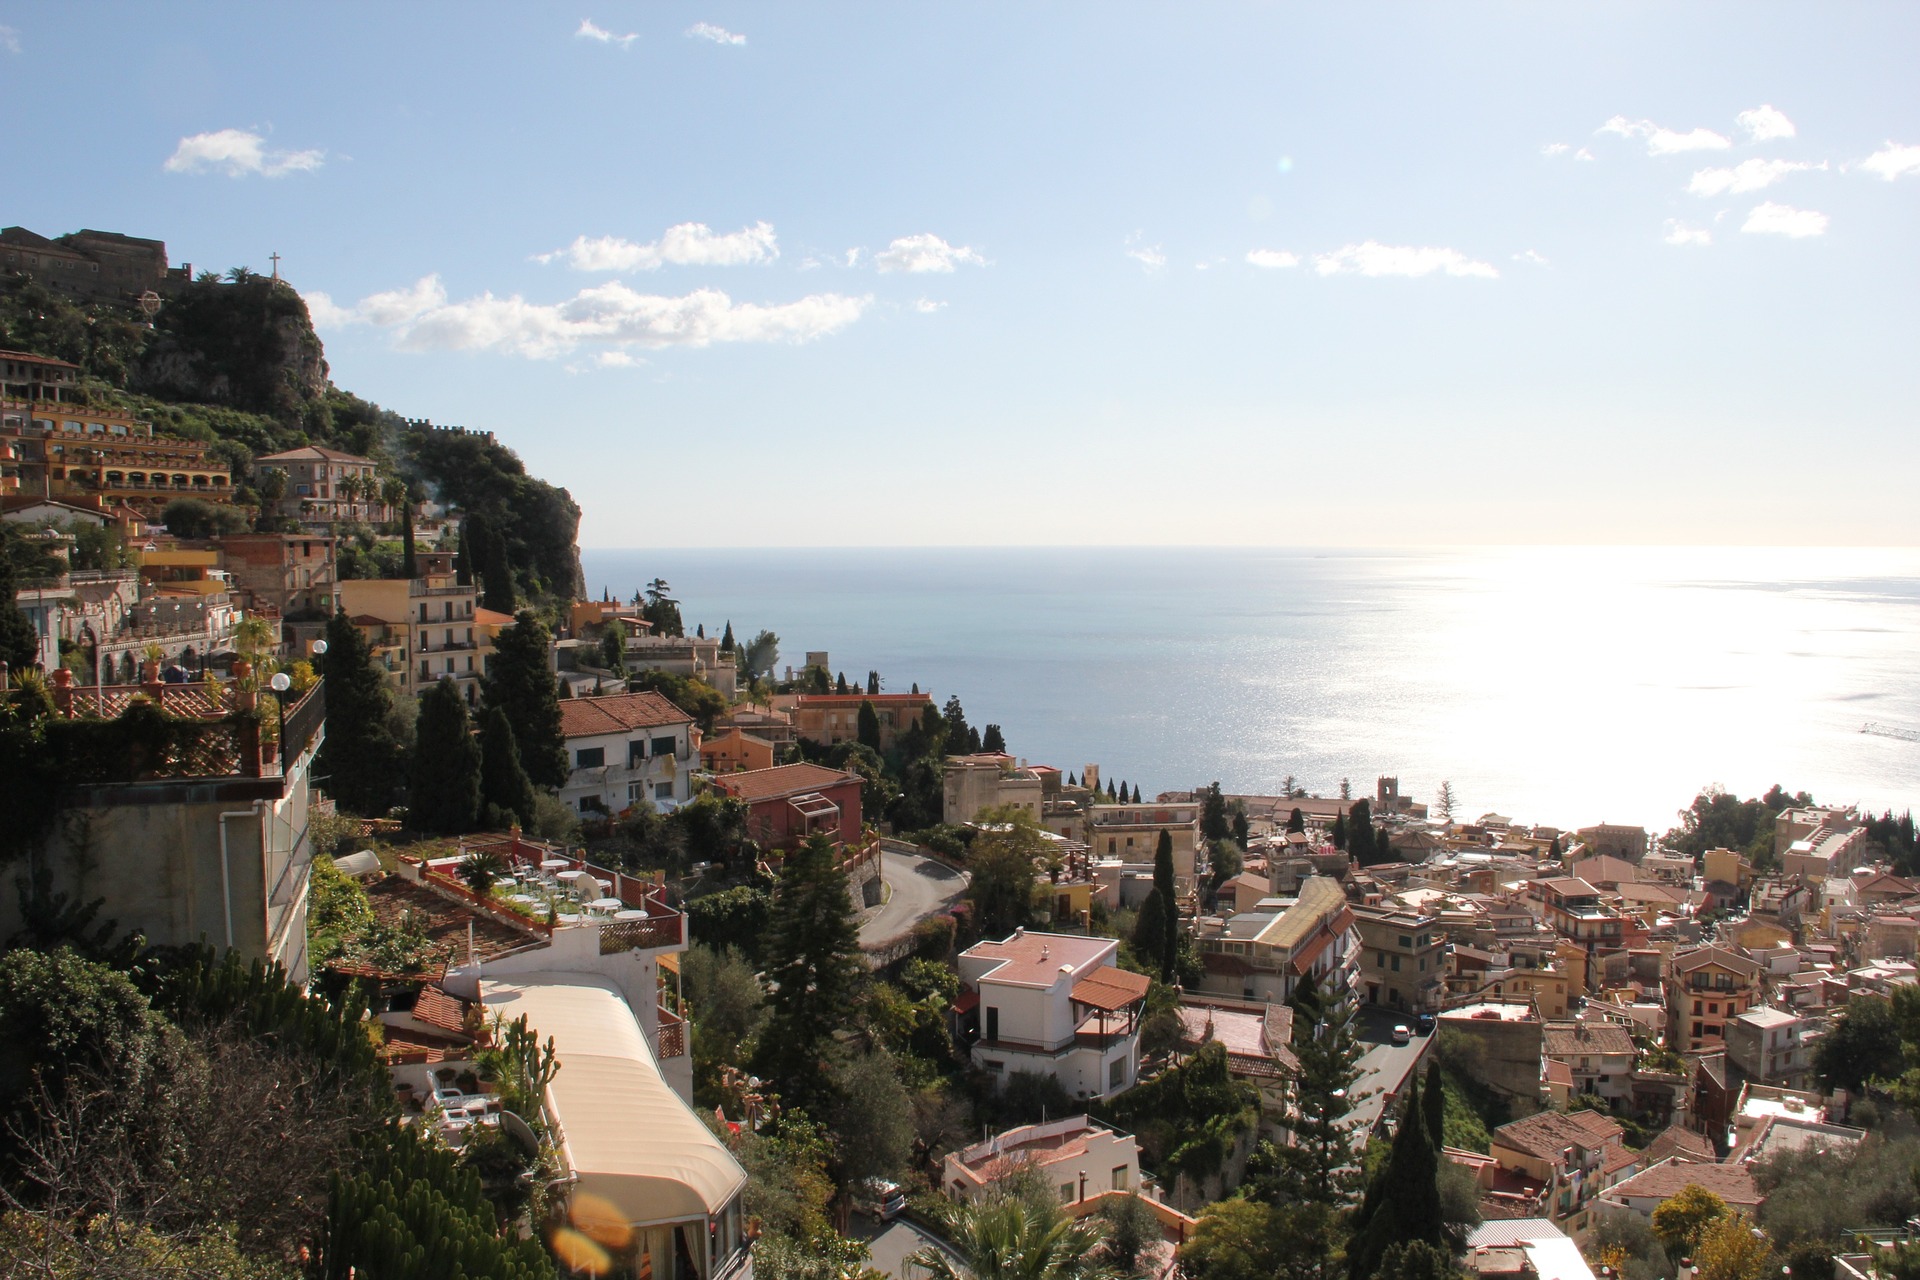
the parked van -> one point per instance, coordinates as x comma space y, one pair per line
880, 1199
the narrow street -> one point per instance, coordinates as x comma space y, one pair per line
916, 887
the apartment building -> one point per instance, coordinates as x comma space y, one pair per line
324, 485
1077, 1156
433, 626
987, 781
1707, 987
1131, 833
286, 575
1403, 958
1263, 955
627, 751
1053, 1004
835, 717
1598, 1057
1771, 1047
788, 803
1567, 1160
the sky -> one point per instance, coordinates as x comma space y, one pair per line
999, 274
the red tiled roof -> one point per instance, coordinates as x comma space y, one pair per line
855, 699
1731, 1182
781, 780
438, 1009
30, 358
1111, 989
313, 453
617, 713
492, 618
1549, 1133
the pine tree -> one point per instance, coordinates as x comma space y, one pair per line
815, 970
505, 792
521, 683
993, 740
360, 759
445, 796
1163, 885
1318, 1165
868, 725
956, 719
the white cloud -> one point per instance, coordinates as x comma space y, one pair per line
619, 360
1531, 257
611, 316
1748, 175
1679, 233
9, 39
926, 306
1149, 256
922, 253
853, 257
719, 35
1665, 142
1273, 259
1555, 149
239, 153
1893, 161
325, 314
588, 31
1764, 124
1781, 220
1376, 259
688, 244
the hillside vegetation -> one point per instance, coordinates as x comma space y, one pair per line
233, 361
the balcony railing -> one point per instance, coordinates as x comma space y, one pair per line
671, 1040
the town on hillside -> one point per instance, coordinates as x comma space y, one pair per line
384, 905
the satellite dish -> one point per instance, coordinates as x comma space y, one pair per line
520, 1132
150, 304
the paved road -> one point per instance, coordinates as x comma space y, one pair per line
1384, 1069
917, 887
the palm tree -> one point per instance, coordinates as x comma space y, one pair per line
1013, 1237
482, 869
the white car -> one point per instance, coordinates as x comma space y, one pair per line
1401, 1033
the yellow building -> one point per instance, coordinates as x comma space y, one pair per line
433, 627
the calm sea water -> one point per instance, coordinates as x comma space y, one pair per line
1554, 685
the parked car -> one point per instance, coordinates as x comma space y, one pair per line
1401, 1034
1424, 1024
882, 1199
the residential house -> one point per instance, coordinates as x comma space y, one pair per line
763, 722
835, 717
1769, 1045
433, 626
1077, 1157
1131, 833
627, 751
970, 783
1706, 987
790, 802
288, 576
1654, 1186
1263, 955
1054, 1004
1572, 1157
735, 752
1258, 1038
1598, 1056
1402, 958
323, 486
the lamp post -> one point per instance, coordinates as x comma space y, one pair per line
280, 684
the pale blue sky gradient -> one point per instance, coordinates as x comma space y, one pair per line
1105, 364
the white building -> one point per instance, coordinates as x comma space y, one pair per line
626, 750
1263, 954
1054, 1004
1769, 1045
1079, 1157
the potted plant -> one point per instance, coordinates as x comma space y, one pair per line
151, 657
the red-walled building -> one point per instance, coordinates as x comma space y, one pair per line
790, 802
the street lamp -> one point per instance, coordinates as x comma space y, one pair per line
280, 684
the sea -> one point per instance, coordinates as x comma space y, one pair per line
1563, 686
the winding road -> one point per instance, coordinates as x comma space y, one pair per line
917, 887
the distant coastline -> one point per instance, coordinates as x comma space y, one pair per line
1555, 685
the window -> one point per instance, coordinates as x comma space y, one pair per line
661, 747
589, 757
1406, 942
636, 792
1121, 1176
636, 752
993, 1023
663, 791
1396, 964
1116, 1076
993, 1066
1066, 1193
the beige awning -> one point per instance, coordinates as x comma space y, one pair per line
624, 1132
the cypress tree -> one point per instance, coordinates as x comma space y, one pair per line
465, 568
1136, 793
1407, 1190
497, 576
815, 970
1361, 841
840, 685
522, 684
1169, 905
993, 740
973, 741
1340, 831
868, 722
360, 758
409, 563
444, 798
505, 791
1150, 932
1436, 1100
726, 641
1296, 821
1109, 788
957, 731
19, 641
873, 682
